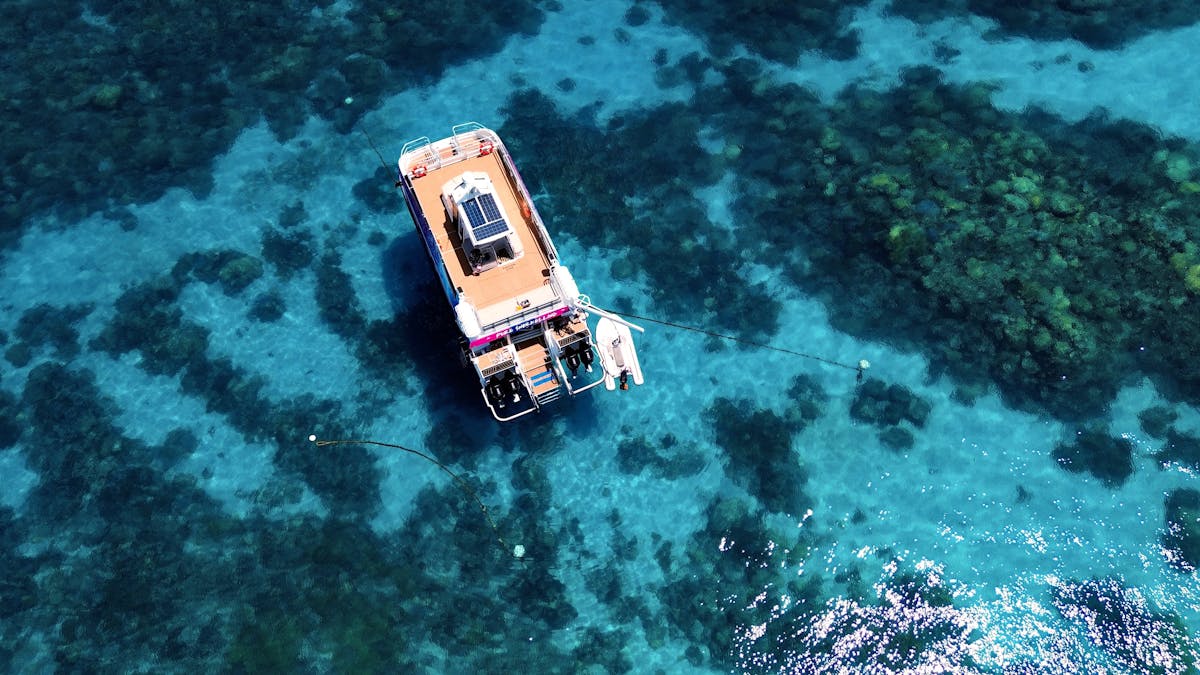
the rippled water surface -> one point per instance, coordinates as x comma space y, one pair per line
204, 262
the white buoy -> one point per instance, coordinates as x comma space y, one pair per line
864, 364
313, 438
518, 551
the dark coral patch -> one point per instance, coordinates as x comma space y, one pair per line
776, 29
1157, 420
53, 326
888, 407
1105, 457
10, 428
666, 458
267, 307
379, 192
232, 270
1180, 447
758, 451
288, 253
885, 405
336, 300
1100, 24
711, 586
1139, 637
1182, 538
19, 592
149, 320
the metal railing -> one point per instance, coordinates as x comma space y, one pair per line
499, 364
470, 139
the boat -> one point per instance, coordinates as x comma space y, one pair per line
523, 322
618, 356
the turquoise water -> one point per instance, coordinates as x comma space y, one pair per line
204, 263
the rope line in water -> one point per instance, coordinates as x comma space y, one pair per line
517, 552
862, 365
378, 154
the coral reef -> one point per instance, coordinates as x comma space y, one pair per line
1011, 248
149, 321
140, 568
232, 270
55, 326
267, 307
1156, 420
378, 192
1100, 24
288, 253
758, 453
1094, 451
711, 587
667, 458
1182, 538
1180, 447
19, 591
156, 114
338, 305
775, 29
911, 625
1138, 637
887, 407
10, 429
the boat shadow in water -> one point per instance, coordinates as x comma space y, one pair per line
406, 272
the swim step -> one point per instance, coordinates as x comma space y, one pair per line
549, 396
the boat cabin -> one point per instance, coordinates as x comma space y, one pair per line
488, 237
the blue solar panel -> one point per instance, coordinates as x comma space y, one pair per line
491, 229
484, 216
488, 203
474, 215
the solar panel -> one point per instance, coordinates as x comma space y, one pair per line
484, 216
474, 214
488, 203
490, 229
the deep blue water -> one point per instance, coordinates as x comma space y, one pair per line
203, 263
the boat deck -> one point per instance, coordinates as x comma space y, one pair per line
495, 292
535, 361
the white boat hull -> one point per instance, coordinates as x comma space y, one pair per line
618, 356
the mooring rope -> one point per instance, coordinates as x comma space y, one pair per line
517, 552
378, 154
862, 365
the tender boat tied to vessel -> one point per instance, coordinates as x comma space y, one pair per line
524, 323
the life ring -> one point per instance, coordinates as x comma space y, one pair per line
419, 171
485, 147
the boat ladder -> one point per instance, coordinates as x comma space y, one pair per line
549, 396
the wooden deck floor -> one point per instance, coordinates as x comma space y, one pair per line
508, 282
